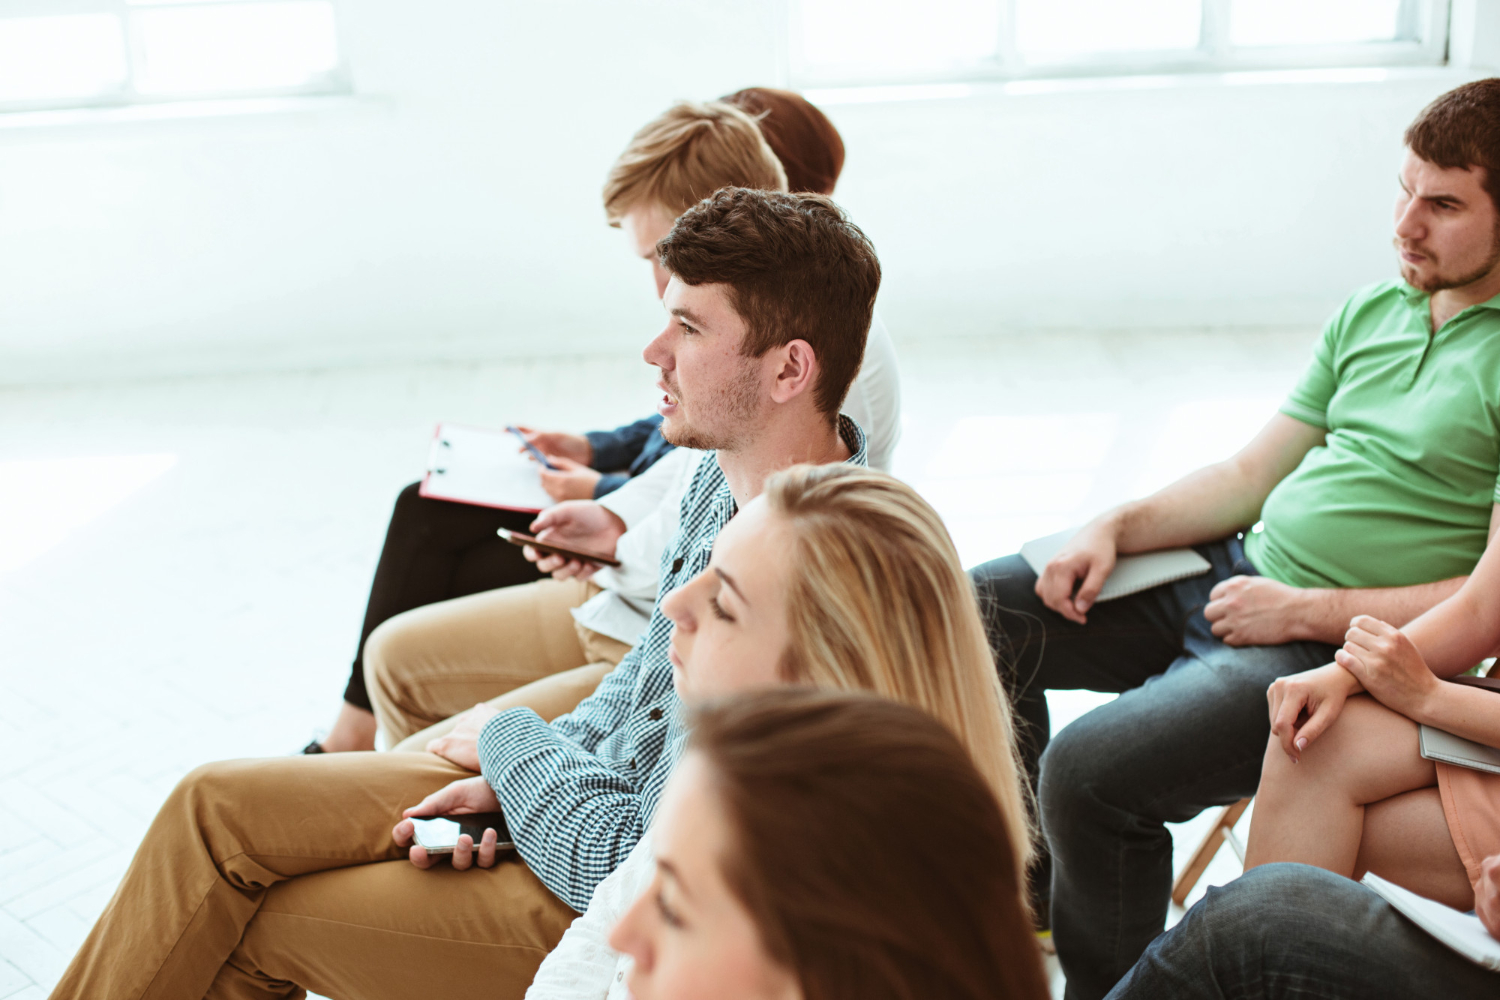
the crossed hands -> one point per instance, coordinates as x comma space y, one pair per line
466, 795
1376, 657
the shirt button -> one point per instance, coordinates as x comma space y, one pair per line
619, 977
656, 715
632, 762
677, 565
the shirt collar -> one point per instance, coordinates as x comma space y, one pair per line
1417, 298
854, 439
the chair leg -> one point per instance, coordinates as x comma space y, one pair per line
1212, 841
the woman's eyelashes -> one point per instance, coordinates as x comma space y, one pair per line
668, 915
718, 610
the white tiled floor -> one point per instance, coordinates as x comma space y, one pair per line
183, 563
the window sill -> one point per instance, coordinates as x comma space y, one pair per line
165, 111
1163, 81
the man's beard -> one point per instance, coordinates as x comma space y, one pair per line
1441, 282
733, 412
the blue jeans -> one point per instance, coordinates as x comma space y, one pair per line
1290, 932
1188, 732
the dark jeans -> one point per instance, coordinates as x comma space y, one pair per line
1187, 733
435, 550
1290, 932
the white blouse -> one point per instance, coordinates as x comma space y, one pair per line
583, 966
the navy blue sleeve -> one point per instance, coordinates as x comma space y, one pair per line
609, 482
619, 448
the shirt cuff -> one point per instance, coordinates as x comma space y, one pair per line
506, 737
1306, 414
609, 452
608, 483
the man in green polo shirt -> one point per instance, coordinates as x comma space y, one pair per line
1375, 489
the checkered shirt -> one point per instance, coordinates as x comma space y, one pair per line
578, 792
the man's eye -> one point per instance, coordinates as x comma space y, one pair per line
718, 610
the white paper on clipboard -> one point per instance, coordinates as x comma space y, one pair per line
483, 467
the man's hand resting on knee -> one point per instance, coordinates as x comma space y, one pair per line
467, 795
461, 745
575, 524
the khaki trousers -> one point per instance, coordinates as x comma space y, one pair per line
425, 666
266, 878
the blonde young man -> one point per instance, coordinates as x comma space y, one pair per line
547, 644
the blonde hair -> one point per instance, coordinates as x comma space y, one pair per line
686, 154
879, 602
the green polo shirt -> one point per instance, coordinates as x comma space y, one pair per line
1401, 492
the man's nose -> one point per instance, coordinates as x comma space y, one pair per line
655, 352
1410, 224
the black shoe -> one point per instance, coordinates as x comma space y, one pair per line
313, 747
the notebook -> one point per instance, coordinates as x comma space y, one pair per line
482, 467
1460, 931
1132, 573
1450, 749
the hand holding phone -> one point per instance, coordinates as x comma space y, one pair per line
553, 548
532, 449
467, 797
439, 834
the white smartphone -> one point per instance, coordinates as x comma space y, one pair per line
439, 834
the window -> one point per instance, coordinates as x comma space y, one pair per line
850, 42
102, 53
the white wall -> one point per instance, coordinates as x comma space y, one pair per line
452, 211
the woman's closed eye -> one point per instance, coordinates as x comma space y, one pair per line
668, 915
718, 610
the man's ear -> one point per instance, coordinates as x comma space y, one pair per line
796, 369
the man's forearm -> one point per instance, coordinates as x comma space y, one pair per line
1218, 499
1210, 504
1325, 613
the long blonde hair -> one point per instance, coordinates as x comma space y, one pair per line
878, 601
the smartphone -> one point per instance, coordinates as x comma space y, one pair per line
439, 834
520, 538
532, 449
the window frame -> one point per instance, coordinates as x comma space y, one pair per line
337, 81
1429, 21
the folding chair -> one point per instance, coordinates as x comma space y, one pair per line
1223, 830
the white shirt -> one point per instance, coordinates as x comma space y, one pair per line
874, 400
583, 966
649, 503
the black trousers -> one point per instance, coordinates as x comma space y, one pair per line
436, 550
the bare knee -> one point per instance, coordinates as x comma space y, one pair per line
1365, 756
1371, 752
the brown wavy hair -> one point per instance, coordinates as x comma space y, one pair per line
1461, 130
797, 269
871, 855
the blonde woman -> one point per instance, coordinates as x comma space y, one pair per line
839, 578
